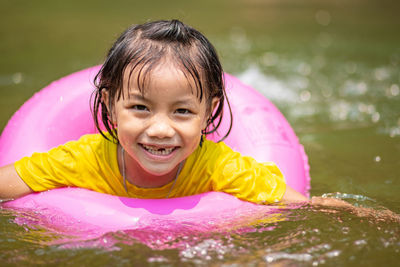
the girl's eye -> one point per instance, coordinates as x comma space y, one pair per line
183, 111
140, 107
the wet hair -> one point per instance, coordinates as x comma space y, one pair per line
143, 47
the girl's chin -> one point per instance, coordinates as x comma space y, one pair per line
159, 171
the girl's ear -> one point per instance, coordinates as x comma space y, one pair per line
214, 103
106, 99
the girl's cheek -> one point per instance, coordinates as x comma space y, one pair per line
195, 134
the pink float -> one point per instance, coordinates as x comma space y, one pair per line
61, 112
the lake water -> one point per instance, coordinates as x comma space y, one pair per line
332, 67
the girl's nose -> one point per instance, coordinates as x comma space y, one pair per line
160, 127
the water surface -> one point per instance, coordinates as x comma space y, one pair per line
332, 67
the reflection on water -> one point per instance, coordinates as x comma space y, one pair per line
310, 236
332, 67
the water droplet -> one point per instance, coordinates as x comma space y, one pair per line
381, 74
340, 110
375, 117
305, 96
370, 109
351, 67
327, 92
304, 69
394, 90
17, 78
362, 87
333, 253
394, 131
345, 230
362, 107
39, 252
157, 259
323, 17
360, 242
269, 259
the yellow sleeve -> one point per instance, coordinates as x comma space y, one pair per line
52, 169
245, 178
81, 163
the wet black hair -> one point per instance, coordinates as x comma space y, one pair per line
143, 47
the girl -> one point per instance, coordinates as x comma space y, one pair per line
159, 93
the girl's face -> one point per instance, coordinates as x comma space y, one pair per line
161, 127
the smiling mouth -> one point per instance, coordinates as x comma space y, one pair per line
158, 151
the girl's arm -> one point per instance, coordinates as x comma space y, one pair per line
292, 196
11, 185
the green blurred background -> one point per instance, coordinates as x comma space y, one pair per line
332, 67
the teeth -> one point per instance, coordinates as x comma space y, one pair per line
158, 151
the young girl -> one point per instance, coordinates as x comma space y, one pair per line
159, 93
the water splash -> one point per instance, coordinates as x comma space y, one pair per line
306, 95
308, 235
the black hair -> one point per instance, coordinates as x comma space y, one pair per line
142, 47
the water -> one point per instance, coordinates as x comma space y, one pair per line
331, 67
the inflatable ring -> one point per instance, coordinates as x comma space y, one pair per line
60, 112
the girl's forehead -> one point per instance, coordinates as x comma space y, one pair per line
162, 75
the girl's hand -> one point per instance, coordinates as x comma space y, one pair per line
377, 214
291, 196
331, 202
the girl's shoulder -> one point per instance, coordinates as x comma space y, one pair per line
89, 145
95, 139
218, 145
212, 152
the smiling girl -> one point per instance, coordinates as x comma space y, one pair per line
159, 93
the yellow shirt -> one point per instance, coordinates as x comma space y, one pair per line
91, 162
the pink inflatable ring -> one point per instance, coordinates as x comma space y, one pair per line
61, 112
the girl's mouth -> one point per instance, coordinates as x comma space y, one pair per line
158, 151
